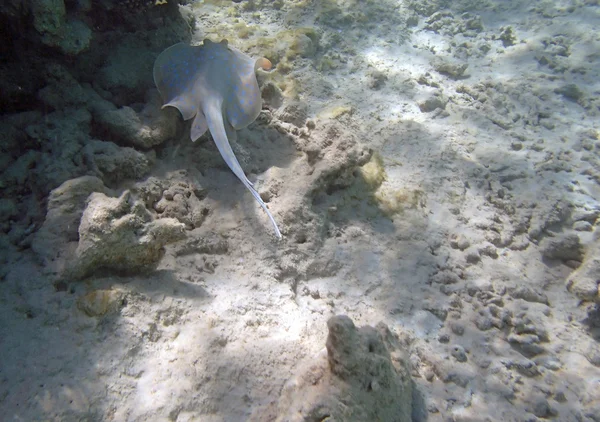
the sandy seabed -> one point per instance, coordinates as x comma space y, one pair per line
432, 165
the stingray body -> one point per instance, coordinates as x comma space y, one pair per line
216, 86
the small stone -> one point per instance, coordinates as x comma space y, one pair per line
456, 303
583, 226
479, 285
516, 146
473, 256
527, 368
100, 302
548, 362
502, 315
560, 397
449, 68
436, 309
542, 409
377, 79
507, 36
484, 323
571, 263
570, 91
458, 352
444, 338
295, 113
488, 250
303, 45
272, 95
434, 102
585, 214
432, 408
484, 363
499, 388
457, 328
527, 344
530, 295
459, 377
583, 282
445, 277
520, 243
566, 248
593, 356
460, 242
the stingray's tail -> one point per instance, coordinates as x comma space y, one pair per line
263, 205
214, 118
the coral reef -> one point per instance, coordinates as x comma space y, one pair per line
118, 234
174, 197
60, 231
70, 35
354, 380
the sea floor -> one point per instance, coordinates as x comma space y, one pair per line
433, 165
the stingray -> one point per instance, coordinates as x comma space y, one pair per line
215, 85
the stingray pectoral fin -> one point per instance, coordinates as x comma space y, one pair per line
216, 126
184, 105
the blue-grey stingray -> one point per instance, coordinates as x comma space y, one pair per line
215, 85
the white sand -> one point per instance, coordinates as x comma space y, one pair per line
475, 187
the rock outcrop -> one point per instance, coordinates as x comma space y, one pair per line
354, 379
